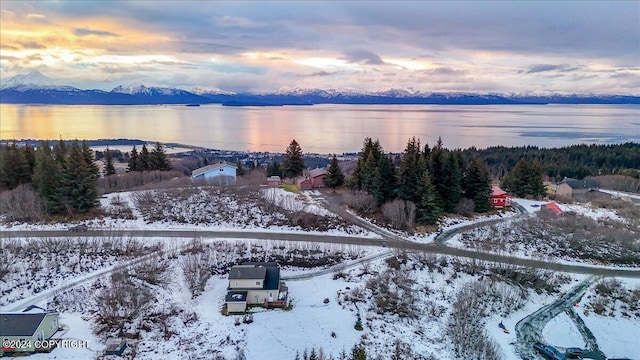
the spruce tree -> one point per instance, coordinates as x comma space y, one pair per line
436, 171
477, 185
452, 181
14, 168
46, 178
334, 177
427, 208
89, 160
239, 168
133, 160
78, 187
293, 163
273, 169
158, 159
143, 159
109, 169
410, 172
358, 353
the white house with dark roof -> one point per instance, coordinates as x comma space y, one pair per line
255, 283
577, 188
20, 332
221, 173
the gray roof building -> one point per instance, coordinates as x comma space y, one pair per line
20, 324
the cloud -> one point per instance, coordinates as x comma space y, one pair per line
363, 57
539, 68
31, 45
87, 31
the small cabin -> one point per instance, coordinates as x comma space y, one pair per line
274, 181
499, 198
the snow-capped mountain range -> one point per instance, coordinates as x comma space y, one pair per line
34, 87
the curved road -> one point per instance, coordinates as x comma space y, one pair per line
326, 238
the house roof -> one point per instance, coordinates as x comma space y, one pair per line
269, 272
317, 172
580, 184
242, 272
236, 296
496, 191
273, 178
20, 324
300, 180
205, 169
553, 207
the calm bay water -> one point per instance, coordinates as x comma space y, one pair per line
328, 128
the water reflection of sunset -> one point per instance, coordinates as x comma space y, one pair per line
326, 128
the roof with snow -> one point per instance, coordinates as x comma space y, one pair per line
269, 271
580, 184
236, 296
273, 178
205, 169
497, 191
20, 324
317, 172
553, 207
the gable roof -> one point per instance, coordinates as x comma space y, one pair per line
580, 184
243, 272
301, 180
273, 178
496, 191
317, 172
269, 272
553, 207
20, 324
205, 169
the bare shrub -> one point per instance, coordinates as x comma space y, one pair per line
152, 270
21, 204
360, 201
253, 178
137, 179
465, 207
197, 271
121, 302
617, 182
400, 214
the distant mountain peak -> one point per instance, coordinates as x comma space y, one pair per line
33, 79
210, 91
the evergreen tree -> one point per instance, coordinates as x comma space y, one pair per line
273, 169
14, 168
436, 171
143, 159
358, 353
313, 355
427, 208
158, 159
46, 178
293, 163
109, 169
384, 184
240, 169
60, 153
30, 157
89, 160
477, 185
411, 171
363, 174
334, 177
452, 181
525, 180
133, 160
78, 187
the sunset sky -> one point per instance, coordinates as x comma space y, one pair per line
503, 47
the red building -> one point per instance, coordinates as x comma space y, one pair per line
499, 198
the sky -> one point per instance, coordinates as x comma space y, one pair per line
520, 47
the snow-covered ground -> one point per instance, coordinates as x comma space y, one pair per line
617, 335
562, 332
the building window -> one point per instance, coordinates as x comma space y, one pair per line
236, 283
257, 282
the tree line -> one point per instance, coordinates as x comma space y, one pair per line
434, 180
576, 161
64, 175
